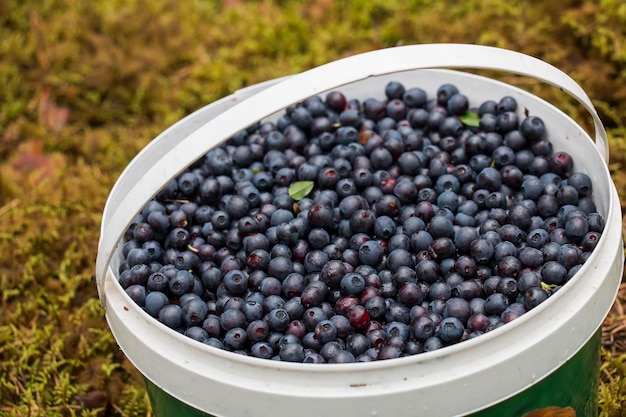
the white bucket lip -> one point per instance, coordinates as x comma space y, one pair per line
471, 345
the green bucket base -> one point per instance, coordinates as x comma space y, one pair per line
574, 386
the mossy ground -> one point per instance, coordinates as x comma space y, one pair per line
84, 85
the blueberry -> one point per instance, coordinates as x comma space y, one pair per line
534, 296
441, 248
235, 282
509, 266
336, 101
293, 285
315, 260
270, 286
553, 273
530, 257
352, 284
410, 294
569, 255
314, 294
154, 302
503, 156
358, 316
313, 357
325, 331
466, 266
342, 324
137, 293
445, 92
357, 344
561, 163
590, 240
482, 250
457, 307
371, 252
432, 343
280, 250
394, 90
373, 109
278, 319
458, 104
576, 228
489, 178
422, 328
428, 270
581, 182
440, 227
342, 356
399, 241
533, 128
230, 319
439, 290
547, 205
330, 349
312, 316
506, 122
539, 166
405, 191
448, 200
512, 233
280, 267
262, 350
181, 283
512, 312
395, 109
596, 222
196, 333
194, 312
171, 315
389, 352
477, 322
468, 290
310, 342
451, 330
376, 307
214, 342
235, 339
414, 97
496, 303
212, 326
157, 281
137, 256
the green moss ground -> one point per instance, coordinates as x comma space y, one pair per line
84, 85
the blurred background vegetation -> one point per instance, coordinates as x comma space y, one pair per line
84, 85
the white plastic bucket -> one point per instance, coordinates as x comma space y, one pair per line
509, 371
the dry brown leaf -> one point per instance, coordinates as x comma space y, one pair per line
552, 412
53, 116
31, 161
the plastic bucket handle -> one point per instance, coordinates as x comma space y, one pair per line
131, 192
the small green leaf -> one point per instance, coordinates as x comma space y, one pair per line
548, 287
470, 118
299, 190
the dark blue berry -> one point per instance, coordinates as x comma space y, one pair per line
451, 330
171, 315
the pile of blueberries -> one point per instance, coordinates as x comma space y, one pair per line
353, 231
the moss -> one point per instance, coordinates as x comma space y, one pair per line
85, 85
